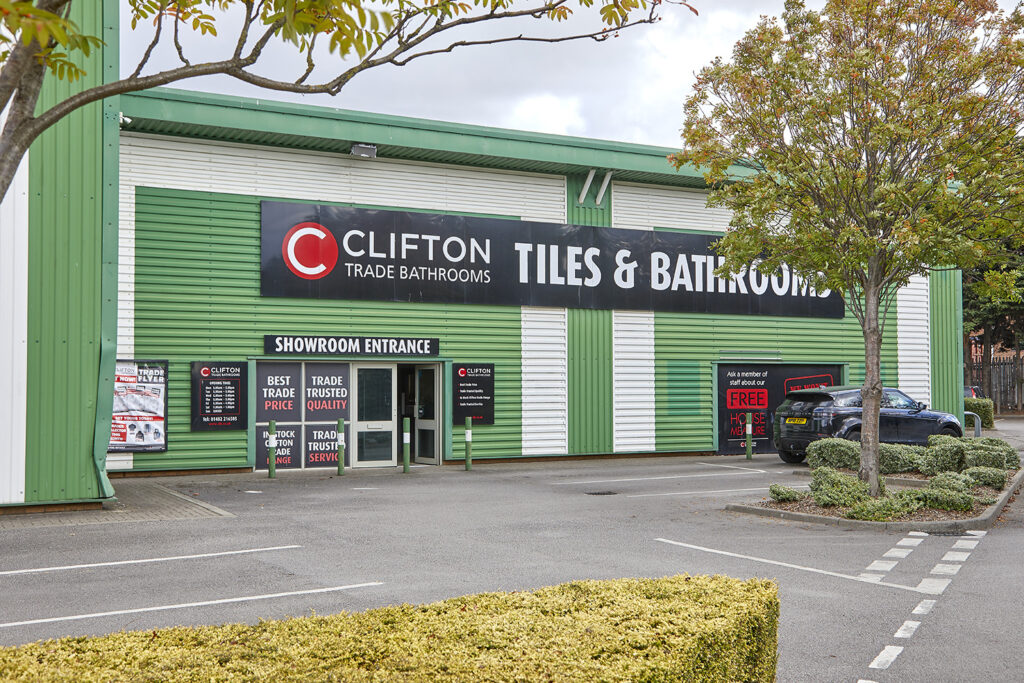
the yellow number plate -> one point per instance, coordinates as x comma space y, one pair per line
796, 420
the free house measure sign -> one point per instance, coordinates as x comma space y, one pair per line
336, 252
306, 400
759, 389
219, 396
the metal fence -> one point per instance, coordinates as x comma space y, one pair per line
1007, 392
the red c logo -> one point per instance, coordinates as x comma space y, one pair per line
205, 372
310, 251
462, 372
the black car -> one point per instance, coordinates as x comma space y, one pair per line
973, 391
810, 414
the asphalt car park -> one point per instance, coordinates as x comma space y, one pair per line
315, 542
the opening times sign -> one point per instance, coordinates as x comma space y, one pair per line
336, 252
219, 391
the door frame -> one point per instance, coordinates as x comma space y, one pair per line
439, 413
385, 426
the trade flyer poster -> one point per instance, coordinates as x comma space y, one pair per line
140, 407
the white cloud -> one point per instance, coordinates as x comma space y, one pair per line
547, 113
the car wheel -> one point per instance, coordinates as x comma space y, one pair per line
853, 435
949, 431
791, 457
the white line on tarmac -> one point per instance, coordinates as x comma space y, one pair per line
734, 467
909, 542
952, 556
186, 605
881, 566
907, 629
672, 476
794, 566
886, 657
697, 493
965, 545
40, 570
924, 607
933, 586
898, 552
945, 569
917, 533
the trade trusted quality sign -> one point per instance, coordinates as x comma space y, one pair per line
336, 252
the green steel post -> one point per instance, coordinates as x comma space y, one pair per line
405, 445
272, 455
750, 429
469, 444
341, 446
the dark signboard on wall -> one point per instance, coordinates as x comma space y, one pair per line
339, 345
289, 446
473, 393
336, 252
219, 396
759, 389
277, 392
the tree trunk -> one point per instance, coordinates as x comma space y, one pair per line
871, 392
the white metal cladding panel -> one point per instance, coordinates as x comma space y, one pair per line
183, 164
13, 335
913, 339
545, 381
633, 381
644, 207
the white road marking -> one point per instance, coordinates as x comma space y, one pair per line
735, 467
977, 534
965, 545
881, 566
909, 542
945, 569
917, 533
697, 493
924, 607
873, 578
886, 657
907, 629
933, 586
898, 552
794, 566
864, 680
40, 570
366, 488
670, 476
955, 557
252, 492
186, 605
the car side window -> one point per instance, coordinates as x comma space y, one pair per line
849, 401
896, 399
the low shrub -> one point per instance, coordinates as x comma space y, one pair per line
831, 488
936, 439
946, 455
983, 456
784, 494
681, 628
894, 458
984, 408
1012, 456
836, 453
944, 499
986, 476
900, 504
951, 481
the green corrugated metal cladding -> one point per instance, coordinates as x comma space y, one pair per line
197, 297
72, 281
947, 351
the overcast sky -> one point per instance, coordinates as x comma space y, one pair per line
630, 88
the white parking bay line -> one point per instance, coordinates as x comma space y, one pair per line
924, 607
898, 552
670, 476
186, 605
933, 586
886, 657
907, 629
40, 570
859, 579
965, 545
697, 493
909, 542
734, 467
881, 566
945, 569
955, 557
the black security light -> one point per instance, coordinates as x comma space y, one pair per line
366, 151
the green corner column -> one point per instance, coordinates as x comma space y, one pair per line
947, 350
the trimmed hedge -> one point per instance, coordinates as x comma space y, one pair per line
1012, 456
894, 458
984, 408
836, 453
987, 476
947, 455
831, 488
951, 481
784, 494
944, 499
900, 504
682, 628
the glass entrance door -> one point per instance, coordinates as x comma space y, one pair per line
426, 437
375, 416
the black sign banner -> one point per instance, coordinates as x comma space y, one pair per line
336, 252
758, 390
318, 345
473, 393
219, 396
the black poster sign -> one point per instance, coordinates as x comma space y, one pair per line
327, 392
340, 345
278, 386
219, 396
289, 446
759, 389
322, 446
473, 393
336, 252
